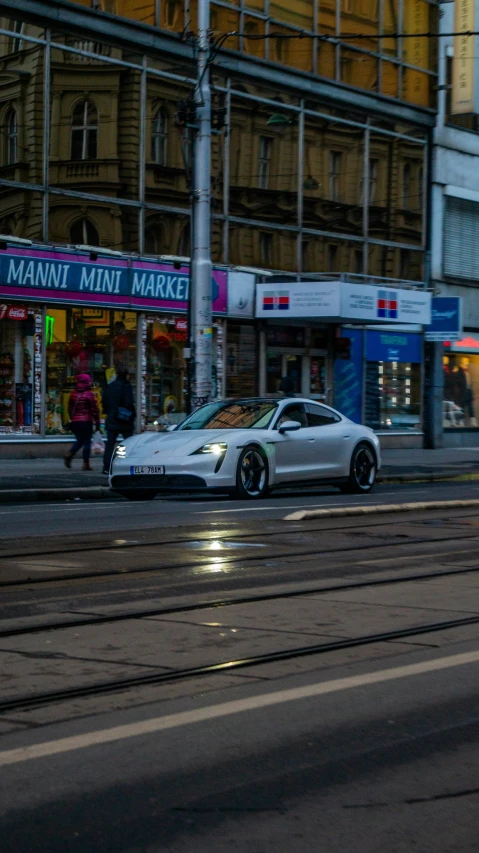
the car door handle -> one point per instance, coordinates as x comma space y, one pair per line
311, 439
346, 436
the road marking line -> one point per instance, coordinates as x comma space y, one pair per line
380, 508
212, 712
272, 507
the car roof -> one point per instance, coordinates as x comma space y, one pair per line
272, 399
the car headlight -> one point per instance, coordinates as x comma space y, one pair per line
120, 451
216, 448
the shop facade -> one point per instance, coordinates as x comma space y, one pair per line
64, 312
358, 347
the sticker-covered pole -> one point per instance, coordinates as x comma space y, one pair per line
201, 294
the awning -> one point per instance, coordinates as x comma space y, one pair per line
341, 301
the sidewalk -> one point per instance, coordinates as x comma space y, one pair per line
48, 479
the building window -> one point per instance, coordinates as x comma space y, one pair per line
84, 131
280, 47
406, 186
83, 233
154, 239
11, 137
358, 261
334, 172
373, 180
159, 135
16, 43
264, 161
420, 188
332, 258
184, 243
172, 13
266, 249
404, 263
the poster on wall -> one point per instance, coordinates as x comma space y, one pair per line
348, 394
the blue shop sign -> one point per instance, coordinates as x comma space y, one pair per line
446, 319
394, 346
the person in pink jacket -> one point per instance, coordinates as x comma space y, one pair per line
84, 415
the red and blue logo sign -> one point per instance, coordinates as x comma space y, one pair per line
387, 304
276, 300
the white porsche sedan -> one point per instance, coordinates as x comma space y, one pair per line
248, 447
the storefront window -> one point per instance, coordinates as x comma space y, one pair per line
17, 348
317, 376
461, 390
84, 340
393, 387
166, 374
393, 395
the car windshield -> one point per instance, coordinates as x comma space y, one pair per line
238, 415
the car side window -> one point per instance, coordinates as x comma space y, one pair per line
293, 412
320, 416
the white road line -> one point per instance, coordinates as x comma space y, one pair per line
272, 507
225, 709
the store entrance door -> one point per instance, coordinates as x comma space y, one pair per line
279, 364
307, 370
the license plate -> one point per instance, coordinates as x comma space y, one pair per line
147, 469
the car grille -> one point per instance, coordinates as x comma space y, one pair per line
158, 481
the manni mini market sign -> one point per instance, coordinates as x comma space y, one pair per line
71, 276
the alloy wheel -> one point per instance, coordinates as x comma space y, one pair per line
364, 468
253, 473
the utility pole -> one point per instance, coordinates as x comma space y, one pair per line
201, 332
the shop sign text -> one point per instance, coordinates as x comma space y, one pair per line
69, 276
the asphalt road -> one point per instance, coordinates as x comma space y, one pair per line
49, 519
372, 749
384, 760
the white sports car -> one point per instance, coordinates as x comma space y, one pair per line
247, 447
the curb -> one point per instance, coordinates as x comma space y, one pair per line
425, 477
104, 492
379, 509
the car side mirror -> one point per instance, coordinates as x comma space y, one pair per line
289, 426
171, 427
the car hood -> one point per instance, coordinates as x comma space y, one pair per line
178, 443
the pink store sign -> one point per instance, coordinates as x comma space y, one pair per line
71, 276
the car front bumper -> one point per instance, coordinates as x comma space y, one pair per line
181, 473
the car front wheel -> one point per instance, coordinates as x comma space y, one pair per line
362, 475
252, 474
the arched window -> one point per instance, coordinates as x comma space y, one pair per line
155, 243
83, 233
84, 131
11, 137
159, 136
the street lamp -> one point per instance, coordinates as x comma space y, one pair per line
278, 121
201, 331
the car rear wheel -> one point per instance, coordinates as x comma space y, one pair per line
137, 494
362, 474
252, 474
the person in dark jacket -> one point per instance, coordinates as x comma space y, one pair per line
287, 387
84, 414
117, 402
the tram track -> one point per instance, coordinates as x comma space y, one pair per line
334, 523
32, 701
129, 615
229, 561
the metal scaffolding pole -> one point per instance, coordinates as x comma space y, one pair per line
201, 335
